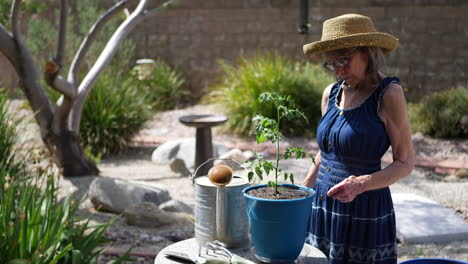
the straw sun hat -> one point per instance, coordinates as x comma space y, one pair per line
350, 30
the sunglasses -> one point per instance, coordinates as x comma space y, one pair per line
339, 63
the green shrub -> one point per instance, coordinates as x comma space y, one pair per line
113, 113
34, 226
163, 86
440, 114
119, 105
242, 84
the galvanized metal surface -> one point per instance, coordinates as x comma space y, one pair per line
233, 222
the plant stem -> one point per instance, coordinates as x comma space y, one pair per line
277, 149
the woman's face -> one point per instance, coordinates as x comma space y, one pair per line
348, 64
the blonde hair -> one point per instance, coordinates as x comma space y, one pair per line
376, 59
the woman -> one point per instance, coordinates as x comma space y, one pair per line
363, 113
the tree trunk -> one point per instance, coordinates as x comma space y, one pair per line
66, 148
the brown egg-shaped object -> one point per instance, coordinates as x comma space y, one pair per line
220, 175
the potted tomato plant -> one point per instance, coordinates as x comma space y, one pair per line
278, 213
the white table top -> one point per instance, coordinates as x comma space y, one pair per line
309, 254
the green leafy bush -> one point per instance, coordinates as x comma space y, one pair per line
162, 86
242, 84
119, 106
34, 226
440, 114
113, 113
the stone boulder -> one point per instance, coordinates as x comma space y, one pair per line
114, 195
464, 123
461, 173
180, 154
149, 215
176, 206
249, 155
232, 159
178, 166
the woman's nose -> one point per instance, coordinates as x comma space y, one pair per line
339, 70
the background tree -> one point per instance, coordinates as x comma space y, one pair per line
59, 122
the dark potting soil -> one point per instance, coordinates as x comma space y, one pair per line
285, 193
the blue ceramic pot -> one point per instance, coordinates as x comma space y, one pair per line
278, 228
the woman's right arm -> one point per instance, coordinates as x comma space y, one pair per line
313, 171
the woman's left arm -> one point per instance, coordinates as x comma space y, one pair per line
393, 114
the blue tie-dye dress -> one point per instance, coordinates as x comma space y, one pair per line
352, 142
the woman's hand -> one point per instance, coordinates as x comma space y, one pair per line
348, 189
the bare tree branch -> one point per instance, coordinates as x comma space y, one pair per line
15, 21
61, 116
67, 89
64, 104
166, 5
7, 45
28, 74
62, 33
104, 59
86, 44
14, 49
62, 86
127, 13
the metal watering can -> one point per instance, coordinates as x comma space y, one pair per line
220, 212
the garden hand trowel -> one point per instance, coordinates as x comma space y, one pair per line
210, 260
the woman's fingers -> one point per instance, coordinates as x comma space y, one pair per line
335, 190
345, 191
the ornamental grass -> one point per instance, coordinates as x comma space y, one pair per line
35, 226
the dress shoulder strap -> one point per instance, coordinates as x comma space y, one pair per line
379, 92
334, 91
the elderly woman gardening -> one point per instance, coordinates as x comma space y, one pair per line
363, 113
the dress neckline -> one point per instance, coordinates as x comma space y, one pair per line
340, 90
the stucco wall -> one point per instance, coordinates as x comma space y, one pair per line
433, 51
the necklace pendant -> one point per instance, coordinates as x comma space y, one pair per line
341, 112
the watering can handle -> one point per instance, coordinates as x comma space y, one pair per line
194, 175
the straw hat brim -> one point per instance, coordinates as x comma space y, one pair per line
387, 42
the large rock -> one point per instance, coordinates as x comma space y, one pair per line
148, 215
233, 158
461, 173
464, 123
116, 195
173, 152
176, 206
178, 166
77, 188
